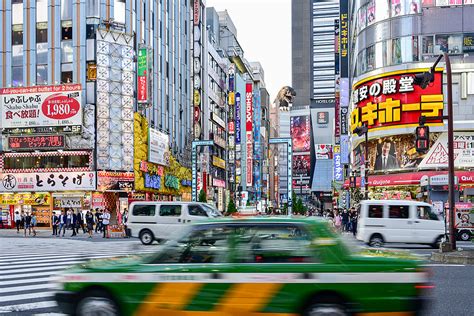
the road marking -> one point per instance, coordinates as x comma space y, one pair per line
28, 270
19, 297
443, 265
38, 280
29, 288
27, 306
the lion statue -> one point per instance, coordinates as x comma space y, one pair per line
285, 98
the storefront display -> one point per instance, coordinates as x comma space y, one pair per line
38, 203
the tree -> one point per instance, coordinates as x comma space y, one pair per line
202, 196
248, 203
231, 209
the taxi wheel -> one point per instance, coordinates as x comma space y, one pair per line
97, 303
376, 241
146, 237
464, 235
321, 309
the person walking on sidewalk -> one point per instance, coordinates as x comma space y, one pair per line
62, 223
98, 220
90, 222
124, 222
17, 221
55, 223
34, 222
22, 220
105, 223
28, 224
73, 223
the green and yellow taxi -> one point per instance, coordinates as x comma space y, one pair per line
262, 266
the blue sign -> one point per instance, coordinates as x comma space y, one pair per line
279, 140
345, 143
152, 181
362, 182
186, 183
197, 143
338, 171
237, 118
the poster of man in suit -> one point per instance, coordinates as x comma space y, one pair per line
386, 159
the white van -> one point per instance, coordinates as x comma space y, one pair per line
394, 221
152, 221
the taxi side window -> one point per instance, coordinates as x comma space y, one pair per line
196, 210
200, 246
144, 210
170, 210
375, 211
274, 244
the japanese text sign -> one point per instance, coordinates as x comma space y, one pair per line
41, 106
36, 142
49, 181
393, 100
142, 72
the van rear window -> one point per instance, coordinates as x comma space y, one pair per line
144, 210
376, 211
398, 211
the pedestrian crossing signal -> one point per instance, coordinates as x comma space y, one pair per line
422, 141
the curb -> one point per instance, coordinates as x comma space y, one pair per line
459, 257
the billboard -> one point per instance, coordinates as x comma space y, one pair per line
115, 181
158, 147
249, 131
300, 129
41, 106
393, 153
392, 100
323, 151
437, 156
36, 142
302, 165
46, 182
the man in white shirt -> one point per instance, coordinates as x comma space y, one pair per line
17, 222
105, 222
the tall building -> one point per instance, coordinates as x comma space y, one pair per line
392, 42
83, 70
313, 73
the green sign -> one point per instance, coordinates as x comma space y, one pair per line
142, 62
172, 182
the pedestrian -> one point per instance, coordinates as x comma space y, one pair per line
34, 222
337, 221
105, 223
345, 220
62, 223
124, 222
73, 223
22, 220
98, 220
82, 222
68, 219
55, 223
17, 221
354, 219
27, 224
89, 222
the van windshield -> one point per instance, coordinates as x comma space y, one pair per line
211, 211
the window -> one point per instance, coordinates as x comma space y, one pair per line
90, 31
41, 11
144, 210
66, 30
202, 245
41, 74
451, 44
42, 32
396, 51
17, 76
17, 34
119, 11
273, 244
66, 52
428, 44
42, 53
425, 212
375, 211
66, 10
92, 7
17, 55
170, 210
50, 162
399, 211
66, 77
17, 12
196, 210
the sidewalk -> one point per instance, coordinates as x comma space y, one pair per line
454, 257
48, 233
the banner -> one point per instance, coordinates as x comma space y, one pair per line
115, 181
46, 182
437, 156
158, 147
392, 100
41, 106
301, 133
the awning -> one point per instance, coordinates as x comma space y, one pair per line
413, 178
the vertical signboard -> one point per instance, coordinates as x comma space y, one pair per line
300, 130
142, 74
257, 118
344, 37
197, 62
249, 131
231, 126
338, 169
237, 119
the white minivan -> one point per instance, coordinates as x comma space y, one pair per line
158, 221
395, 221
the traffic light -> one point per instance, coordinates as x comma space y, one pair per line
422, 140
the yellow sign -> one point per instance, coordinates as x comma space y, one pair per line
218, 162
25, 199
337, 149
231, 97
197, 97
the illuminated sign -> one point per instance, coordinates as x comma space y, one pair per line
248, 129
218, 162
36, 142
142, 72
392, 100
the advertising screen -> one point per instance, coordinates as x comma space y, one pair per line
300, 133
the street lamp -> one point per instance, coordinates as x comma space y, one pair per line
423, 80
364, 130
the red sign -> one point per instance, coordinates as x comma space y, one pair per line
197, 10
59, 107
301, 133
248, 129
231, 127
392, 100
142, 89
36, 142
197, 113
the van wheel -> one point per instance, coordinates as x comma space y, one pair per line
464, 235
376, 241
146, 237
437, 242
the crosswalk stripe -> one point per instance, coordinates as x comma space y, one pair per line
37, 280
27, 288
29, 276
29, 306
19, 297
27, 270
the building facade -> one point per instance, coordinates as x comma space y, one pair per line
83, 69
391, 42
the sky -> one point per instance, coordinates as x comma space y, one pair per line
264, 32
